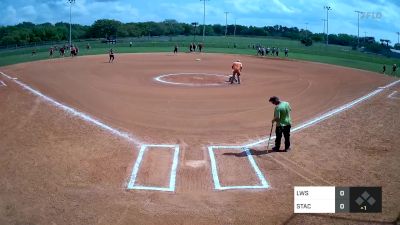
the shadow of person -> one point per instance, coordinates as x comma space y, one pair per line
251, 151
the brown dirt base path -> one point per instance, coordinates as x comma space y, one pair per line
57, 169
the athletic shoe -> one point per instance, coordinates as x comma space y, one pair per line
275, 149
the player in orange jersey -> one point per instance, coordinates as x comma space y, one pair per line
236, 70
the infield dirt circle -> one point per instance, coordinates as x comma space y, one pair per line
168, 99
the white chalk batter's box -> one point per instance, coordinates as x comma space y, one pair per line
133, 184
263, 184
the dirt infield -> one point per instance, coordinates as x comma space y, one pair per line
57, 169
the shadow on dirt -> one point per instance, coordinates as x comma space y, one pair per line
252, 152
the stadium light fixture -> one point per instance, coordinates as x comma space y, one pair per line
204, 18
70, 21
226, 22
328, 8
358, 25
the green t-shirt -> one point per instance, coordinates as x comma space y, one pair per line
282, 111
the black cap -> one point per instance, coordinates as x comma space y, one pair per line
273, 99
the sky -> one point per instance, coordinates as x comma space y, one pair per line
381, 18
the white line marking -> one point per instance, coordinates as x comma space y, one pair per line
172, 180
264, 182
2, 83
76, 113
135, 170
390, 85
160, 79
136, 167
214, 170
391, 95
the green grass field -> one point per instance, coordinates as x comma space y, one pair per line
337, 55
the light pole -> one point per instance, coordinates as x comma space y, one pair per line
358, 25
306, 30
234, 30
328, 8
398, 36
204, 18
365, 37
226, 22
70, 21
324, 20
194, 33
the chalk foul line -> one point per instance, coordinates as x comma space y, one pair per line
76, 113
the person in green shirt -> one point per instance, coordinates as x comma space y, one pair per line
283, 122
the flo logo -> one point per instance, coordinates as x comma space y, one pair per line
371, 15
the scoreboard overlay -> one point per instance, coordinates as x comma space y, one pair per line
331, 199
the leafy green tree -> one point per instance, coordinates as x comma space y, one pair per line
104, 28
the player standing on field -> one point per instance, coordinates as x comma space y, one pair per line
394, 68
283, 122
111, 55
237, 69
62, 51
51, 52
175, 49
200, 47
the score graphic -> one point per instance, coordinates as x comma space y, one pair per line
330, 199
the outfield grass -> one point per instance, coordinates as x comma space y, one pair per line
333, 54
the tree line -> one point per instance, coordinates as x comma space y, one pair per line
27, 32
